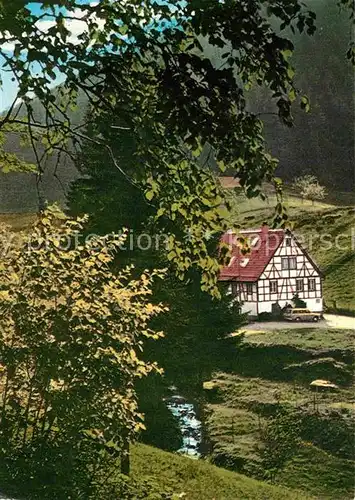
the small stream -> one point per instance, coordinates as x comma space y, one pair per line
190, 425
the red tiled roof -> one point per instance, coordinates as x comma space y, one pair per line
263, 244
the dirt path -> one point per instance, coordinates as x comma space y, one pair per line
329, 321
336, 321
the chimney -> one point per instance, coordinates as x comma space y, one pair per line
264, 230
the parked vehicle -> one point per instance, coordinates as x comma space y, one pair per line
298, 314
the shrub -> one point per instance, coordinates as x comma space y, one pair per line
265, 316
70, 336
331, 431
280, 437
298, 303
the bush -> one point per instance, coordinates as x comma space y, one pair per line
265, 316
70, 335
280, 437
298, 303
331, 431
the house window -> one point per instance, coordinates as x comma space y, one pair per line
288, 263
299, 285
288, 241
311, 285
249, 288
273, 286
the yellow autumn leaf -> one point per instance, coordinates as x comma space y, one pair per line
4, 295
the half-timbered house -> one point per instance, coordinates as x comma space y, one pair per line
275, 269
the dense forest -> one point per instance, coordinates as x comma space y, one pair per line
321, 142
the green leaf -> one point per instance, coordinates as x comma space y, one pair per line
305, 104
292, 95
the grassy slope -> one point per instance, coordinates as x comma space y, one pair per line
336, 260
328, 232
245, 396
326, 476
200, 480
306, 338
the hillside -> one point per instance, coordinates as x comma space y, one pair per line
321, 141
273, 371
18, 191
198, 480
327, 231
158, 475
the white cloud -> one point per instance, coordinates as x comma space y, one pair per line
76, 26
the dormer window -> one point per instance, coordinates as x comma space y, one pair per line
231, 262
288, 241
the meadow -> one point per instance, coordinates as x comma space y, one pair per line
274, 370
198, 480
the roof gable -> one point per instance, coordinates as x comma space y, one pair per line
304, 251
263, 244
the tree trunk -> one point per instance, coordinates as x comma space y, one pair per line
125, 458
